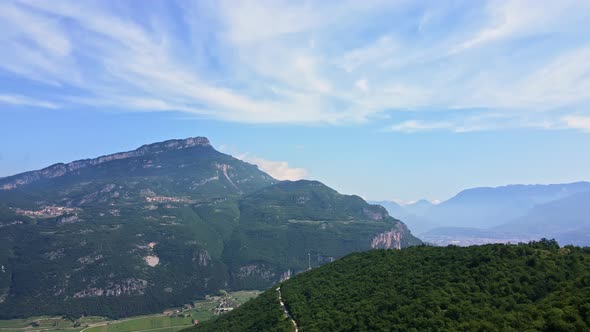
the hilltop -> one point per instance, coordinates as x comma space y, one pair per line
532, 287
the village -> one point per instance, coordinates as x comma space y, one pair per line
46, 212
212, 305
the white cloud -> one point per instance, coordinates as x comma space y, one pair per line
578, 122
479, 121
380, 50
412, 126
46, 32
277, 169
25, 101
362, 85
520, 18
308, 63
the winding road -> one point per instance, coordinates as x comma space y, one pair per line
287, 311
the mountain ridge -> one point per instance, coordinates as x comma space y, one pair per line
171, 223
60, 169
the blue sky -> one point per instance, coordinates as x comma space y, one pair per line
385, 99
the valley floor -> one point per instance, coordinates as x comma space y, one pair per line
170, 320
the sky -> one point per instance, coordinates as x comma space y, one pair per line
389, 100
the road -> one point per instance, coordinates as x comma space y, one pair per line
287, 311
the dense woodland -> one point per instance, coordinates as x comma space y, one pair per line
526, 287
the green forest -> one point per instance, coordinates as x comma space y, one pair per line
526, 287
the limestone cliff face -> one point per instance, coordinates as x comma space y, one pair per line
61, 169
391, 239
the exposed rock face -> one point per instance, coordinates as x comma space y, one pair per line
254, 270
61, 169
3, 294
203, 258
167, 199
286, 275
152, 260
90, 259
68, 219
131, 286
390, 239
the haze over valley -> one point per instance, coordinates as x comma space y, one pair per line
508, 214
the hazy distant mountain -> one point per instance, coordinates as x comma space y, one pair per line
489, 207
511, 213
419, 208
411, 214
566, 219
394, 209
159, 226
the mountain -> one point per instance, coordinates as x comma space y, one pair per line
489, 207
508, 214
138, 231
526, 287
419, 208
566, 219
394, 209
411, 214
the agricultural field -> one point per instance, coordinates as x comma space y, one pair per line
170, 320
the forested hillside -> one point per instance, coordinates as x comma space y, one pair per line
165, 224
526, 287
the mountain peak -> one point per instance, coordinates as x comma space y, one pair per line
61, 169
175, 144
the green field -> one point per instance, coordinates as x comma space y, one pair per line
161, 323
171, 320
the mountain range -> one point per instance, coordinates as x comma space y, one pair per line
167, 223
510, 213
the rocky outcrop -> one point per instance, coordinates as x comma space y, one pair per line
255, 270
286, 275
61, 169
131, 286
391, 239
202, 257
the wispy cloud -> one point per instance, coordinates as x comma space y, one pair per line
306, 63
412, 126
578, 122
25, 101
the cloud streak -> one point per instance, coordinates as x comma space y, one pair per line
305, 63
17, 100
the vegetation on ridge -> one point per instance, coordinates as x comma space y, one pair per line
525, 287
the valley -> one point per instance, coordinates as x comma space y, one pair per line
171, 320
